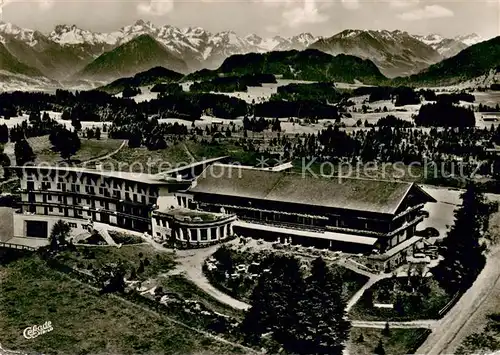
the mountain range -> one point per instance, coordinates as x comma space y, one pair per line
475, 62
71, 53
396, 53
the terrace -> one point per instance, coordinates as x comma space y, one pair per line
187, 215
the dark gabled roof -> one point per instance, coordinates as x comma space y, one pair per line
377, 196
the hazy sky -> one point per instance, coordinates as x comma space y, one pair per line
264, 17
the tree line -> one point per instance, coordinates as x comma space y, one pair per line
463, 249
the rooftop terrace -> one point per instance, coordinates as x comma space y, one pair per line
184, 214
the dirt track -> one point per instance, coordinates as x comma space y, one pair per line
467, 316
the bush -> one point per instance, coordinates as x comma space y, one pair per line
393, 121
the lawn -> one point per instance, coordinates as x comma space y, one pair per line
179, 154
83, 321
125, 238
129, 255
143, 160
409, 303
156, 273
362, 341
236, 152
179, 284
90, 149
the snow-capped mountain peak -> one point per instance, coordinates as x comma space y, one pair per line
305, 38
195, 31
72, 35
448, 47
22, 34
396, 52
254, 39
348, 33
470, 39
141, 26
431, 39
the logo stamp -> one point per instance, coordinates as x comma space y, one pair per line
35, 331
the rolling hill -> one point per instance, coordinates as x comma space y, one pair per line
150, 77
470, 63
311, 65
140, 54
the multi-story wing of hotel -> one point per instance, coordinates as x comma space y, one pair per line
209, 202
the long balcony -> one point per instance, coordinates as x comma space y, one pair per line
87, 196
84, 208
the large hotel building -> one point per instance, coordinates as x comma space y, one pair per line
209, 202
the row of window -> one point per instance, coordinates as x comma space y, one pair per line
76, 212
102, 191
162, 223
116, 194
88, 179
90, 185
203, 235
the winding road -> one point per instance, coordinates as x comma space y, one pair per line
191, 263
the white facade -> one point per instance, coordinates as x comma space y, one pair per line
21, 222
181, 232
80, 195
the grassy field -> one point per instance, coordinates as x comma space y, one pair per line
156, 273
362, 341
83, 321
144, 160
125, 238
90, 149
224, 148
129, 255
415, 305
179, 284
